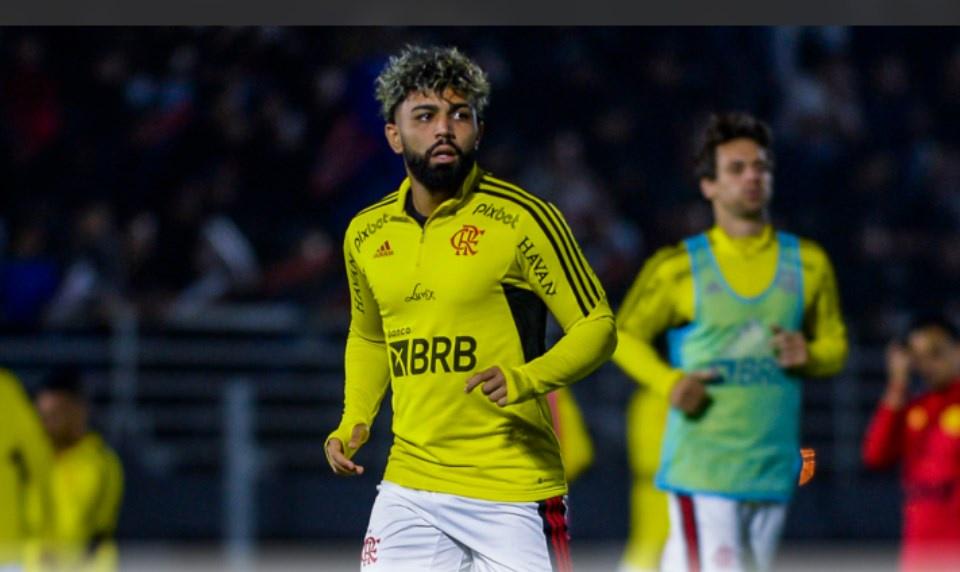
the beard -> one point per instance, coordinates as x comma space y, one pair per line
750, 211
443, 177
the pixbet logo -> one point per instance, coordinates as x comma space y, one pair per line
464, 241
498, 214
371, 229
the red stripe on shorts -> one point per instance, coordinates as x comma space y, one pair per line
560, 535
552, 513
690, 532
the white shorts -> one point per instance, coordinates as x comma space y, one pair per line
710, 533
413, 530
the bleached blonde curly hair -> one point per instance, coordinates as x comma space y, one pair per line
425, 69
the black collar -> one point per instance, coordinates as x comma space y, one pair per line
412, 210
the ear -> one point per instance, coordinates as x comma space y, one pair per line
708, 188
392, 134
480, 126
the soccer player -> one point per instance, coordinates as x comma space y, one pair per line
24, 472
645, 420
923, 433
748, 311
86, 482
451, 276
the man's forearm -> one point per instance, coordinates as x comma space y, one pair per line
826, 356
585, 347
640, 360
366, 381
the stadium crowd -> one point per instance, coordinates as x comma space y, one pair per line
174, 168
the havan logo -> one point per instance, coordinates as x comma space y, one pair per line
537, 266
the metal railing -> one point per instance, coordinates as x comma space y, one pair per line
242, 407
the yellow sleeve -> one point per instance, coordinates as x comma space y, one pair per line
30, 459
75, 505
574, 296
105, 557
824, 328
88, 485
107, 509
659, 299
576, 447
36, 456
366, 376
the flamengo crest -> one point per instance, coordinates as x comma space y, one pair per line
464, 241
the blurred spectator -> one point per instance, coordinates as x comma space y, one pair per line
305, 270
924, 434
29, 275
86, 480
93, 279
33, 102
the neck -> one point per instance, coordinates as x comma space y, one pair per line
67, 443
740, 227
426, 201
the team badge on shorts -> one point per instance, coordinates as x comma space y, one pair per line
464, 241
725, 558
369, 553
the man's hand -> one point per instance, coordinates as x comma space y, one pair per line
338, 460
689, 394
898, 375
790, 347
494, 385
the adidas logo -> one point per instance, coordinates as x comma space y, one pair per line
383, 250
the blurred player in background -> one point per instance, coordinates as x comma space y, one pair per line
576, 446
24, 473
451, 277
748, 311
645, 420
923, 433
86, 483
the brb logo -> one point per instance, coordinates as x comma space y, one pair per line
369, 553
414, 356
464, 241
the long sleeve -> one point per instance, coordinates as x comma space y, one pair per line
30, 458
650, 308
554, 267
883, 441
823, 322
86, 489
366, 373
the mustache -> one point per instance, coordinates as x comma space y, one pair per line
456, 148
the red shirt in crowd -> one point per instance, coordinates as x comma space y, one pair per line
925, 436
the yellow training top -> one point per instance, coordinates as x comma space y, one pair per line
469, 290
25, 456
86, 488
662, 298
